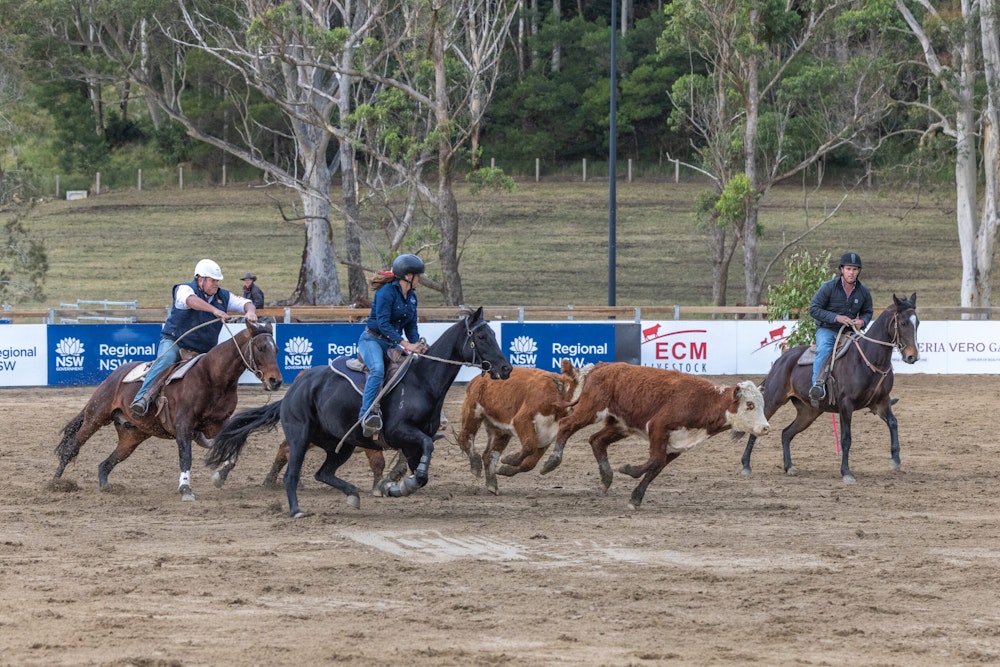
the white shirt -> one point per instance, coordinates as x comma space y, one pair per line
237, 304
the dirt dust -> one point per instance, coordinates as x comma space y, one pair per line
714, 569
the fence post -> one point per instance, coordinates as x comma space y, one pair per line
677, 171
493, 163
57, 186
630, 170
223, 175
97, 191
140, 180
584, 170
180, 177
537, 171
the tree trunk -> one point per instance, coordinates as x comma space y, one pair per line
318, 283
990, 121
749, 234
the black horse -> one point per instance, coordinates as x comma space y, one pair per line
321, 407
861, 378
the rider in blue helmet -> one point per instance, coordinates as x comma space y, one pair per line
842, 302
391, 324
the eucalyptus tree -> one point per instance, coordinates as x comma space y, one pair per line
773, 89
960, 50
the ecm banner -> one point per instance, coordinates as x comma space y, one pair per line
544, 346
85, 354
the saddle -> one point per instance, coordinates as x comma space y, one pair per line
809, 355
175, 372
354, 369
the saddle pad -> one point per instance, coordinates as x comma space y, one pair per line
339, 365
810, 354
342, 366
139, 372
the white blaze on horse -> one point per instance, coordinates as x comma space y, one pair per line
529, 404
673, 411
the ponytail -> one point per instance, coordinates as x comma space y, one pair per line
381, 278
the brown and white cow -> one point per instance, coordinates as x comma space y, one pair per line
674, 411
528, 404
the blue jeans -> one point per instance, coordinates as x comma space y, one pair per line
825, 339
167, 354
372, 351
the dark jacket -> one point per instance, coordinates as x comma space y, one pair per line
393, 315
182, 320
254, 294
831, 300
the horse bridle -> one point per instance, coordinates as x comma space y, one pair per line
485, 365
252, 364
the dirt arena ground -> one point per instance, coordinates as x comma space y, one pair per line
715, 569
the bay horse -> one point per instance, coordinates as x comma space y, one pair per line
321, 408
861, 378
194, 407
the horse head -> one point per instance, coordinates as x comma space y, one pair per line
905, 321
483, 348
263, 355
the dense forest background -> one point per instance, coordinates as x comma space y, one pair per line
374, 111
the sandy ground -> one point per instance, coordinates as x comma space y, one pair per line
715, 569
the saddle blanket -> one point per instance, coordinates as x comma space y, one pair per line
139, 372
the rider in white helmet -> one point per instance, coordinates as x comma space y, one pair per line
200, 302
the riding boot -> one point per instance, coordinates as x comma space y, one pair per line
372, 423
818, 391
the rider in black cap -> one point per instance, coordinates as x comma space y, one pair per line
843, 301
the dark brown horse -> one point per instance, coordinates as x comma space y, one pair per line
192, 407
861, 378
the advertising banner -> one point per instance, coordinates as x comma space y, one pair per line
85, 354
302, 346
23, 355
696, 347
544, 346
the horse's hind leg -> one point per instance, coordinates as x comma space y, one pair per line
804, 417
327, 474
129, 438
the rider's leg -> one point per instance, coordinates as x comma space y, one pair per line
167, 354
372, 353
825, 339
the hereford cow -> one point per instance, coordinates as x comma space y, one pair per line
674, 411
529, 404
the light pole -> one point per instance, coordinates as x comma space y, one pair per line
612, 158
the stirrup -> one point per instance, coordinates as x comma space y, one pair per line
817, 392
371, 425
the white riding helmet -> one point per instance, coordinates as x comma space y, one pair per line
206, 268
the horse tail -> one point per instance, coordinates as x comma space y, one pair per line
230, 441
68, 448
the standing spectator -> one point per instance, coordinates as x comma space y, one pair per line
251, 291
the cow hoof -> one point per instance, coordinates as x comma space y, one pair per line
895, 466
849, 479
551, 464
493, 488
187, 495
476, 464
354, 501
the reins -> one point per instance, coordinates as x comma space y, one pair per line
895, 343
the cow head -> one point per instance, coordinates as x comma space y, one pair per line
572, 380
749, 416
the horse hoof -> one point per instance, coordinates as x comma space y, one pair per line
218, 480
187, 495
298, 514
895, 466
792, 472
633, 507
849, 479
354, 501
745, 472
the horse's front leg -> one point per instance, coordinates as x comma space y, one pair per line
845, 444
184, 455
884, 410
419, 460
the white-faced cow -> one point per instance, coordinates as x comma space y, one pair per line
529, 404
674, 411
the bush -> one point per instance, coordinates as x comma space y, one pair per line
790, 298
